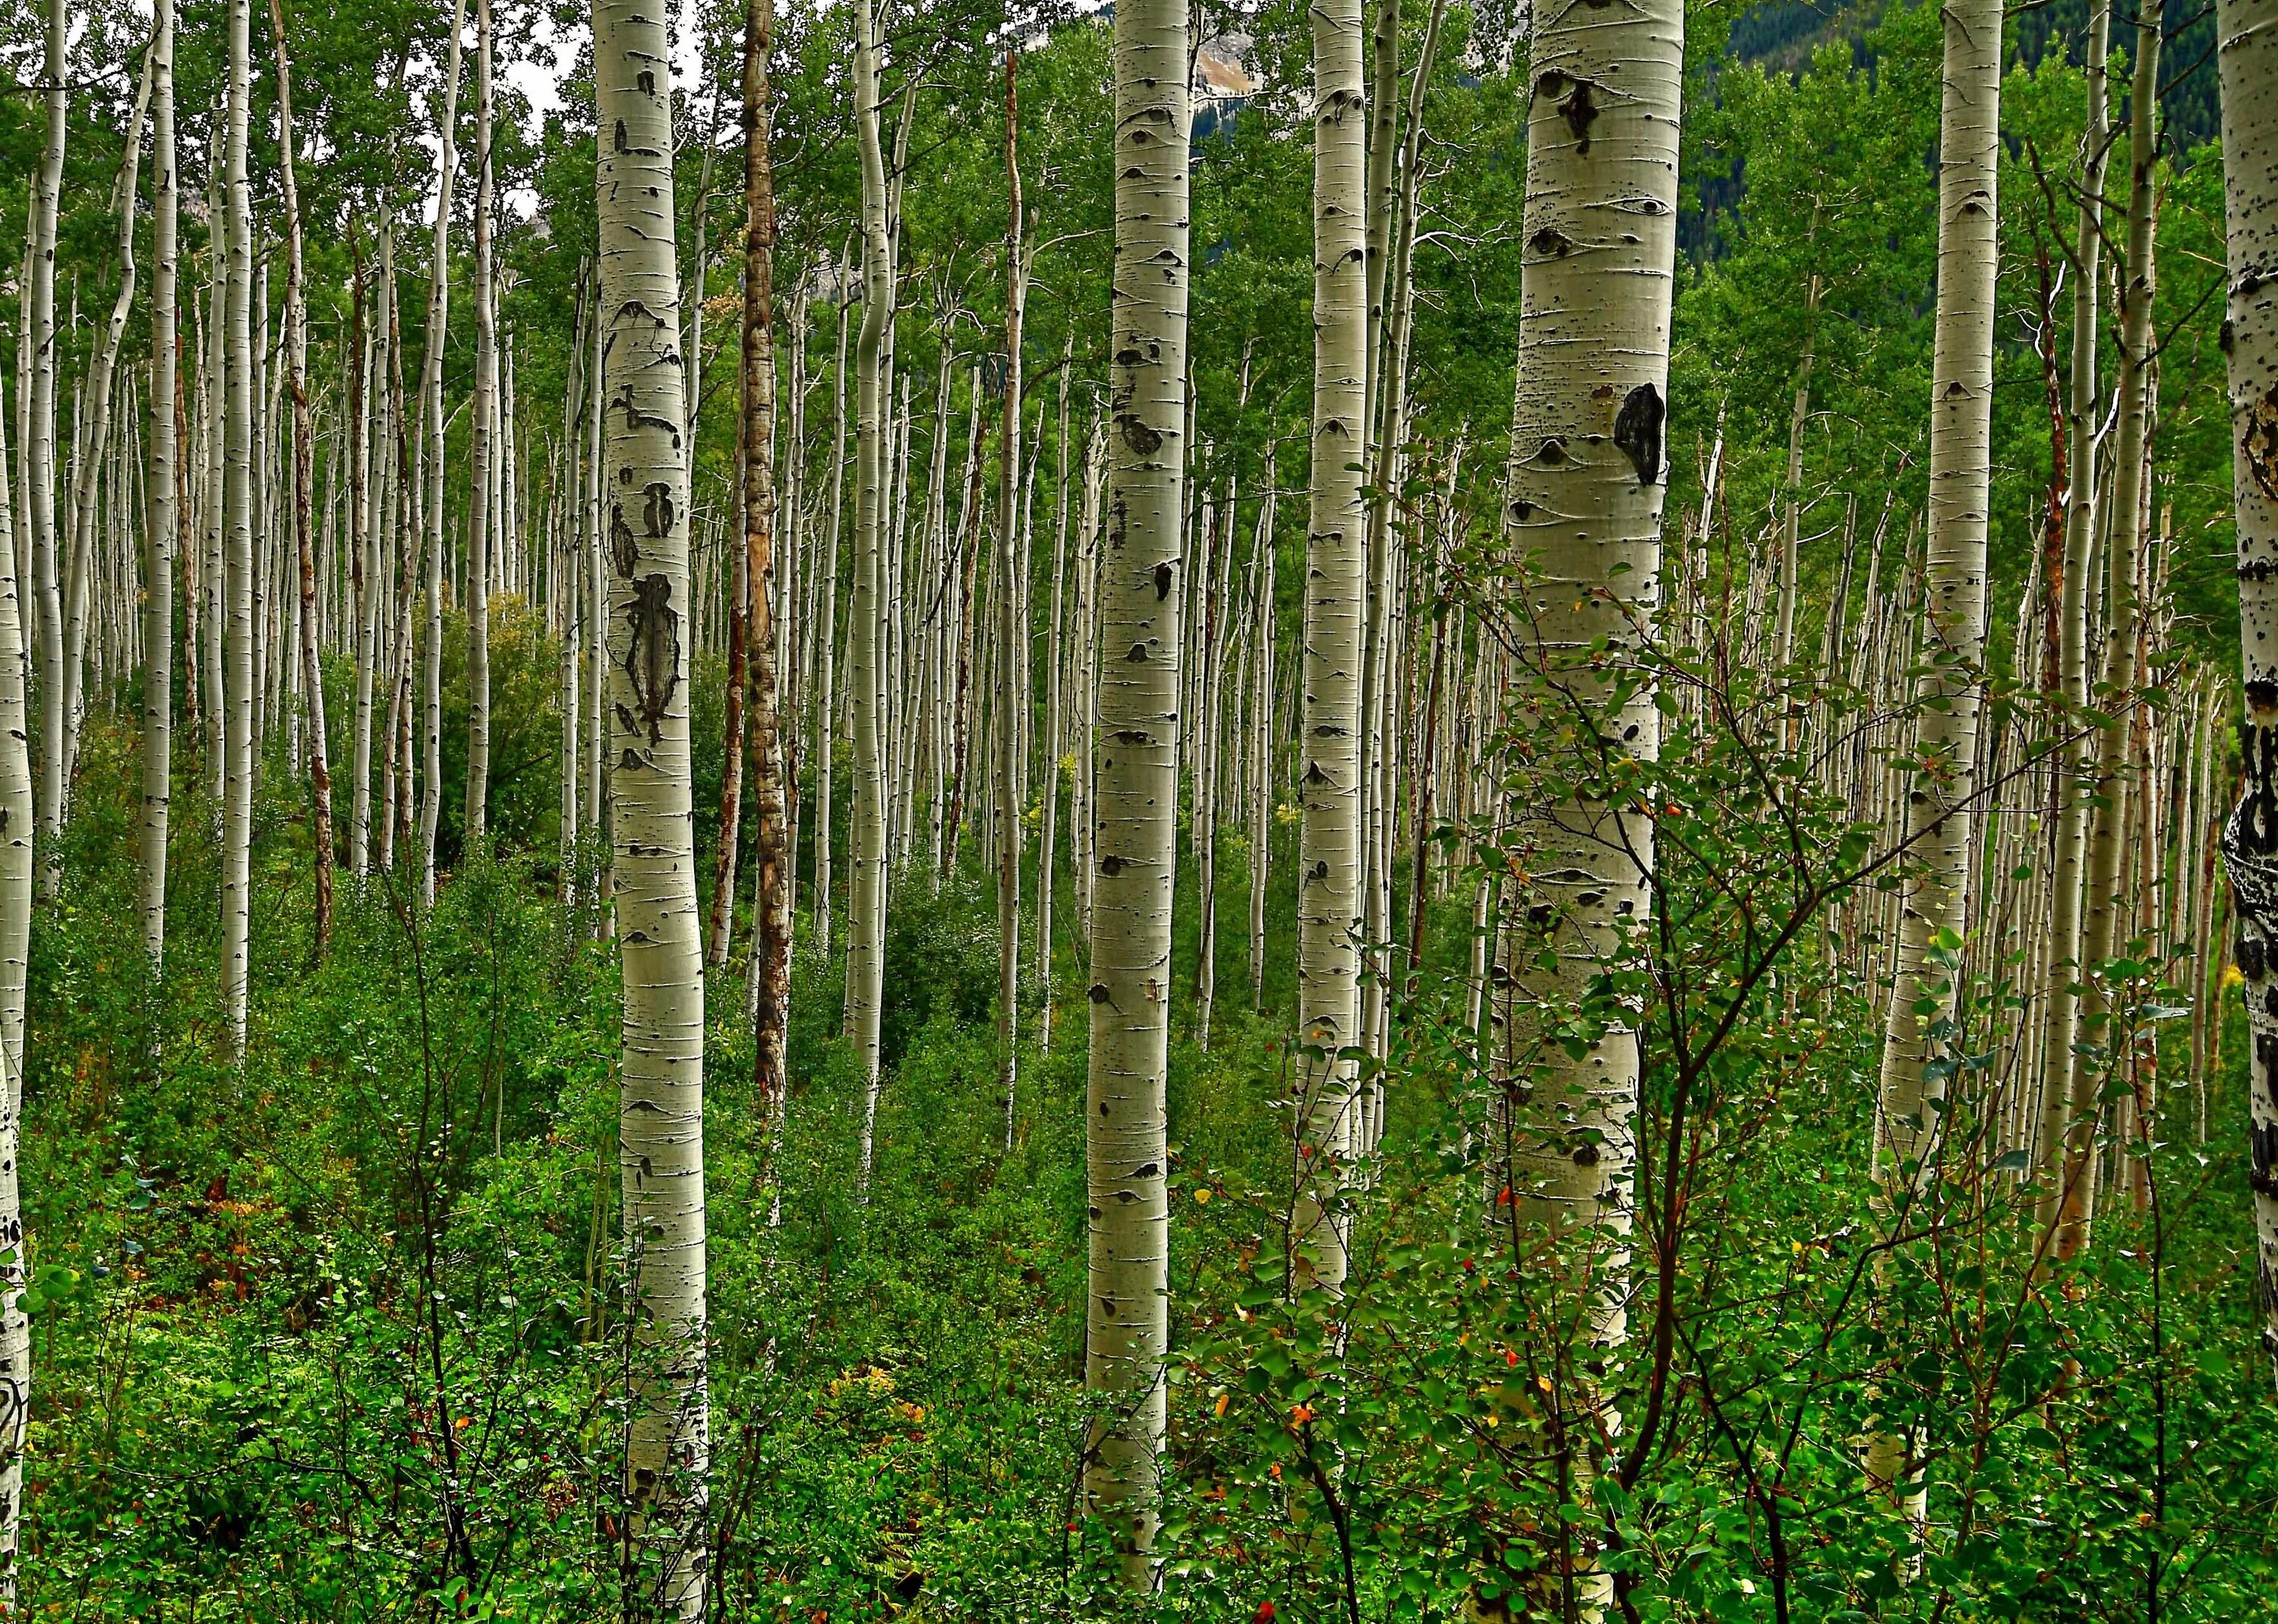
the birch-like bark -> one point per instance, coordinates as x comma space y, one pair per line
363, 573
16, 863
1261, 789
661, 1118
825, 710
2248, 33
1936, 819
430, 407
39, 463
1011, 618
1588, 478
95, 434
771, 851
1054, 659
1791, 485
865, 903
1335, 652
2064, 1133
297, 362
482, 537
166, 511
1126, 1119
2106, 906
239, 385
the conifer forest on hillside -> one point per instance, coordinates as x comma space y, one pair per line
1382, 812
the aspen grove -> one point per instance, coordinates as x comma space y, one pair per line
1388, 811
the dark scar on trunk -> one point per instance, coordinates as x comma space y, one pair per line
652, 651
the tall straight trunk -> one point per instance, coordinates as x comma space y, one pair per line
93, 425
16, 855
771, 851
1011, 622
40, 469
166, 509
1938, 826
296, 353
2248, 30
2109, 903
482, 536
2065, 1134
1587, 485
720, 916
430, 407
1261, 789
1125, 1116
866, 674
566, 551
363, 573
238, 384
1047, 857
1791, 485
824, 710
661, 1118
1332, 796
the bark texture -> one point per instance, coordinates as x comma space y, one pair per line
661, 1118
1135, 852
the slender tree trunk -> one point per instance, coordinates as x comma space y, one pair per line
1055, 657
16, 864
772, 854
1588, 478
296, 352
826, 696
1261, 792
1012, 618
487, 469
165, 512
1333, 799
2108, 907
2064, 1133
40, 487
1128, 1301
865, 675
1938, 827
238, 386
431, 398
661, 1122
1791, 486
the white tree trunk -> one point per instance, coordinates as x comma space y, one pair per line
661, 1119
1938, 824
164, 511
430, 405
865, 676
239, 385
2248, 30
1334, 653
483, 537
1589, 477
1125, 1118
40, 449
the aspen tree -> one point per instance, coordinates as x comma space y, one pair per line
1588, 480
1012, 618
825, 714
16, 864
661, 1122
40, 449
1332, 801
2058, 1135
865, 676
1261, 792
430, 407
567, 551
92, 425
772, 853
165, 508
482, 537
1936, 821
296, 352
238, 386
1055, 660
1126, 1119
363, 573
2248, 33
2109, 903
